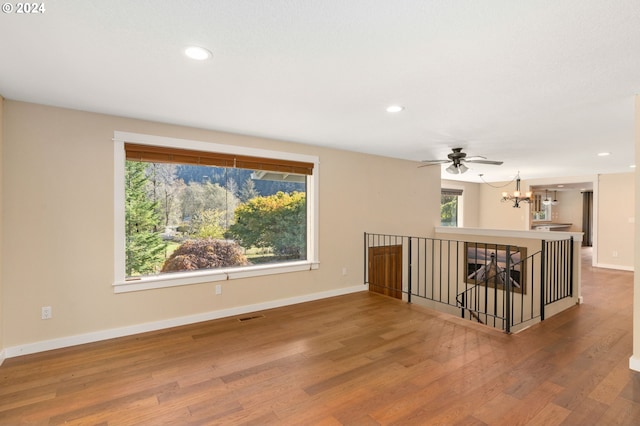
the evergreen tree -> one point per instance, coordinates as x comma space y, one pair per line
164, 189
248, 191
232, 186
144, 246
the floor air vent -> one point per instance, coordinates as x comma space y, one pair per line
243, 319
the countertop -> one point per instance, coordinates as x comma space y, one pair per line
549, 225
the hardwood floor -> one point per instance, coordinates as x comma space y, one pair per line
361, 359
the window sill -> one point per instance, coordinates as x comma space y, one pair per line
198, 277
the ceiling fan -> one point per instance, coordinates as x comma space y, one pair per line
457, 159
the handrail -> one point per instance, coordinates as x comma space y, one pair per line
502, 275
462, 303
432, 270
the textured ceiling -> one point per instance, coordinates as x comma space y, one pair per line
541, 85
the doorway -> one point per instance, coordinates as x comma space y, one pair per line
576, 205
587, 218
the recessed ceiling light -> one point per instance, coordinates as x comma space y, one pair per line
197, 53
603, 154
394, 108
560, 186
633, 166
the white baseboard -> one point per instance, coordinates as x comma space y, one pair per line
97, 336
618, 267
634, 363
2, 356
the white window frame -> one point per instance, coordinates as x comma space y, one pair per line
122, 285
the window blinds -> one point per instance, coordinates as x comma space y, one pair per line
160, 154
448, 191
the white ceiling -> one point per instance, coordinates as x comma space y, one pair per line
541, 85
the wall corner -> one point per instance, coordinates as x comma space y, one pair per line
634, 362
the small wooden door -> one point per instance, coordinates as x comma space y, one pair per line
385, 270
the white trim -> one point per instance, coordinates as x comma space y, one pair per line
122, 285
2, 357
119, 259
460, 212
197, 277
634, 363
97, 336
618, 267
536, 235
595, 210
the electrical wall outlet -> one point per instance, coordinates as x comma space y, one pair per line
47, 313
218, 288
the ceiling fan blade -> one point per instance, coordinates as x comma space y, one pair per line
433, 163
457, 157
495, 163
429, 162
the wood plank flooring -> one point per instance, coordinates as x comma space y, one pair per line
361, 359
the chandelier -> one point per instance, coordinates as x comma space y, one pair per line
516, 197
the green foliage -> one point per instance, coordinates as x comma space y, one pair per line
277, 221
198, 197
205, 254
448, 210
144, 249
208, 224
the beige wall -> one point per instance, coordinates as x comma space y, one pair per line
616, 217
1, 210
635, 359
569, 209
59, 227
470, 200
494, 214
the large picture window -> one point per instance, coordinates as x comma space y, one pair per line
189, 211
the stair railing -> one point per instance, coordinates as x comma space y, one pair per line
434, 271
